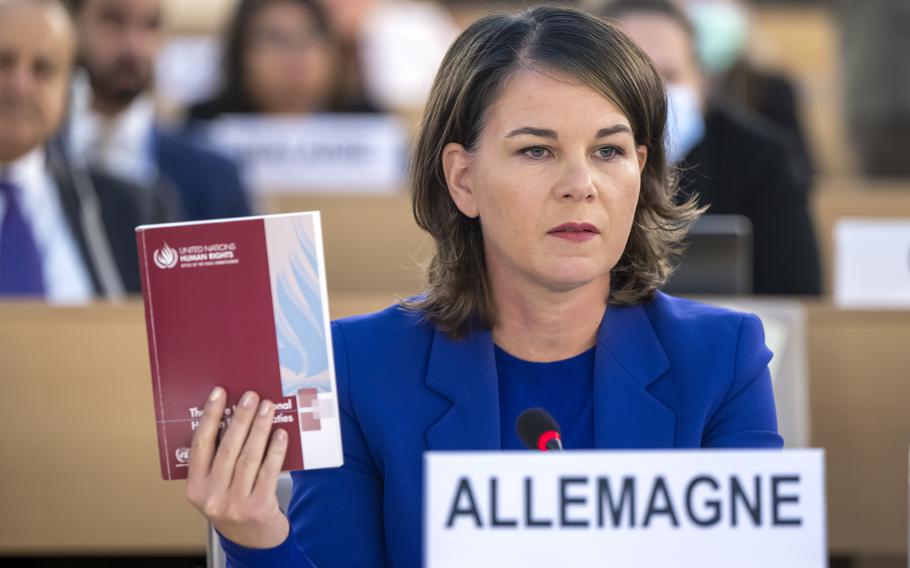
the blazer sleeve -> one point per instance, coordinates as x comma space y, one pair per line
746, 417
336, 513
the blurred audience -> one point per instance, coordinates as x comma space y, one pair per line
391, 49
875, 37
113, 124
349, 19
281, 57
66, 235
735, 161
722, 29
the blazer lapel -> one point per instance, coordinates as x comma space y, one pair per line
628, 359
464, 372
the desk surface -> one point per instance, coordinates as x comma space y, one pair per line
79, 469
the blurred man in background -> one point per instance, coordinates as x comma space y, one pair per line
65, 235
722, 30
735, 161
113, 119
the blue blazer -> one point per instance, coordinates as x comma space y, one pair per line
669, 373
208, 183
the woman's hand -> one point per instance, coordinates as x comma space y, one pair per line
234, 487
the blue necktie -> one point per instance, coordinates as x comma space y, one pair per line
20, 263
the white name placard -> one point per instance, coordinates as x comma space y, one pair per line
629, 509
360, 153
872, 263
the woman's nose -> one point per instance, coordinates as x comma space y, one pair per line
576, 184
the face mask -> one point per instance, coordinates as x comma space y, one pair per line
721, 31
685, 123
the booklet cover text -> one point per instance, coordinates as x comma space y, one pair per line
240, 303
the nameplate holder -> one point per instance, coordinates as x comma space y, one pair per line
625, 509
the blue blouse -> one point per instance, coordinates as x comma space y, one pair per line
562, 388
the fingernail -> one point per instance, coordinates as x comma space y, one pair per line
280, 435
247, 400
264, 408
216, 394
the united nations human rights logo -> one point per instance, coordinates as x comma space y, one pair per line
182, 455
165, 257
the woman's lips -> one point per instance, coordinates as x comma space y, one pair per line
574, 232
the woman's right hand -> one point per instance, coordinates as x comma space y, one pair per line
233, 485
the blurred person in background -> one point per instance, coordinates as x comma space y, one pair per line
722, 29
349, 19
731, 158
401, 45
66, 235
113, 124
390, 49
281, 57
876, 43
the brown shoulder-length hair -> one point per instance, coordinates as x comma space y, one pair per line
457, 296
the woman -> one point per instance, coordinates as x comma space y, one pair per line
540, 172
281, 57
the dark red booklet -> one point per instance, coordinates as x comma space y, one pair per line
240, 303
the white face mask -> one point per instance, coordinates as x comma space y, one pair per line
685, 123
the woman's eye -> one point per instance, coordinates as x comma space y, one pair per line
608, 152
535, 152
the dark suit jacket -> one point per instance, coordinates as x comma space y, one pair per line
208, 184
670, 373
744, 166
122, 207
771, 95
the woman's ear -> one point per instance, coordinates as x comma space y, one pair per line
456, 162
642, 153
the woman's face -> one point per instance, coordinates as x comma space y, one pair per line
554, 181
288, 63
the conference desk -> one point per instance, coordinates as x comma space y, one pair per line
79, 471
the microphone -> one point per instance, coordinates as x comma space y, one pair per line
538, 430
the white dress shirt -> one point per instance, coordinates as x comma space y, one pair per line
120, 146
66, 278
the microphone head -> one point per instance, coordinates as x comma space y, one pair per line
537, 429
